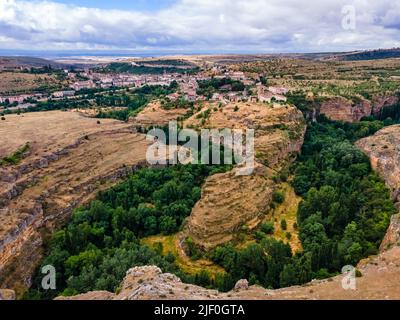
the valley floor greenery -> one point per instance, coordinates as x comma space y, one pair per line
101, 242
343, 217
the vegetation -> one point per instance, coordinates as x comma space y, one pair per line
343, 217
373, 55
120, 67
208, 87
346, 208
16, 157
132, 102
101, 242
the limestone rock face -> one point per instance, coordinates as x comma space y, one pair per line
379, 278
383, 149
39, 194
230, 202
242, 284
7, 294
342, 109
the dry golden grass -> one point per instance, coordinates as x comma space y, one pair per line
154, 114
14, 82
172, 244
288, 211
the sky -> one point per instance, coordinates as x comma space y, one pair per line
198, 26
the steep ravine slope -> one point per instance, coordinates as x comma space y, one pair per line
65, 166
379, 281
379, 278
383, 149
230, 201
343, 109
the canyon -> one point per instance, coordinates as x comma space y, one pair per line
342, 109
230, 201
70, 158
377, 279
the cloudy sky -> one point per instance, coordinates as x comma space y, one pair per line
187, 26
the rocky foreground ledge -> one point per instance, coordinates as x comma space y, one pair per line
379, 280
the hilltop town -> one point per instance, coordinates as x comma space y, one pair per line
75, 82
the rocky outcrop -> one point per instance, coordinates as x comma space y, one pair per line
342, 109
231, 202
383, 149
379, 102
6, 294
392, 237
38, 195
379, 280
155, 115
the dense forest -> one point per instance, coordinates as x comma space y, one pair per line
101, 242
208, 87
120, 67
372, 55
343, 217
132, 102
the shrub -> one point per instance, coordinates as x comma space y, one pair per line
278, 197
283, 224
267, 228
259, 235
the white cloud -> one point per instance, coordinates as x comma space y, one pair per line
190, 25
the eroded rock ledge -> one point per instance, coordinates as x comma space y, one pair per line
379, 281
383, 149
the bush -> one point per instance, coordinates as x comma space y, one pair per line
259, 235
283, 224
278, 197
268, 228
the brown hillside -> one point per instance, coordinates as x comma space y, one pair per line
71, 158
230, 202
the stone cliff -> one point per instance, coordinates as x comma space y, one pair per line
379, 274
230, 202
383, 149
342, 109
39, 194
